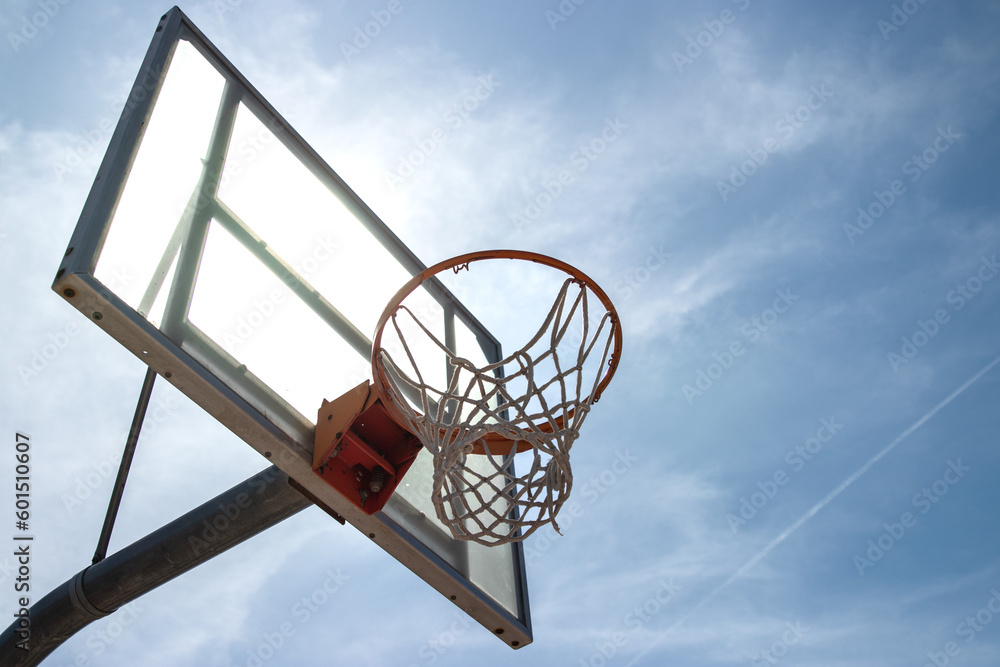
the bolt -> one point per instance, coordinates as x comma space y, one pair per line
377, 482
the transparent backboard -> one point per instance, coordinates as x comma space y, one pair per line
218, 247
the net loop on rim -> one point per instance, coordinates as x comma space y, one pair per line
481, 419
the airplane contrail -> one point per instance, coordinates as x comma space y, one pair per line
840, 488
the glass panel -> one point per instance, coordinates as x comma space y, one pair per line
245, 323
492, 569
155, 315
163, 176
489, 568
305, 223
252, 315
468, 346
416, 343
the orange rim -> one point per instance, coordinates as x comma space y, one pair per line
495, 442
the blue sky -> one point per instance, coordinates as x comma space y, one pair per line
764, 317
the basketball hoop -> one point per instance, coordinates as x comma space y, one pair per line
479, 419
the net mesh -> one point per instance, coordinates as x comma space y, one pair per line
537, 407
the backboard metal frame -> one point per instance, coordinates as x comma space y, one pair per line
282, 440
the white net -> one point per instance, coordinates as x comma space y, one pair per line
476, 425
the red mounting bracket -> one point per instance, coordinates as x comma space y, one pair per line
360, 450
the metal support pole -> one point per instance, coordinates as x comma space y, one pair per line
153, 560
123, 467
